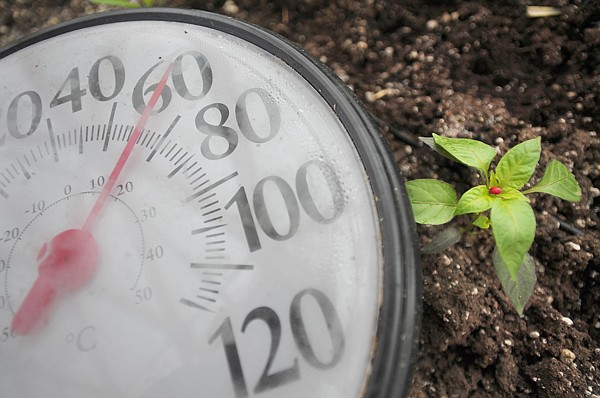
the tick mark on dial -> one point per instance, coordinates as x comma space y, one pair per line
230, 267
192, 304
178, 168
206, 229
109, 126
211, 186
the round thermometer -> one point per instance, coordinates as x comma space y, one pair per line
190, 206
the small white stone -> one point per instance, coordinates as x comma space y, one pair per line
230, 8
446, 260
573, 246
534, 335
567, 321
431, 24
508, 342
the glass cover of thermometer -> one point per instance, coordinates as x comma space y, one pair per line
187, 211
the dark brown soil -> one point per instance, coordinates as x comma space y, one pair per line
481, 70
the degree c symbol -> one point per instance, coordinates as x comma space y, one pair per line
84, 340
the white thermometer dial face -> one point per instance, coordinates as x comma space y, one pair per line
239, 252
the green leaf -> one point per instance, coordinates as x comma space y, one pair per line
430, 142
443, 240
558, 181
469, 152
513, 194
518, 164
519, 289
475, 200
513, 226
493, 179
433, 201
482, 222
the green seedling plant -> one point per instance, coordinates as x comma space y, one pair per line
127, 3
499, 203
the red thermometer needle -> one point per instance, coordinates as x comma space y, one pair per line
69, 261
112, 179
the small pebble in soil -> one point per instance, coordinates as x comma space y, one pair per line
534, 334
567, 356
567, 321
230, 8
573, 246
431, 24
446, 260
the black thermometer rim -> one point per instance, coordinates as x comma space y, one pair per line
398, 329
